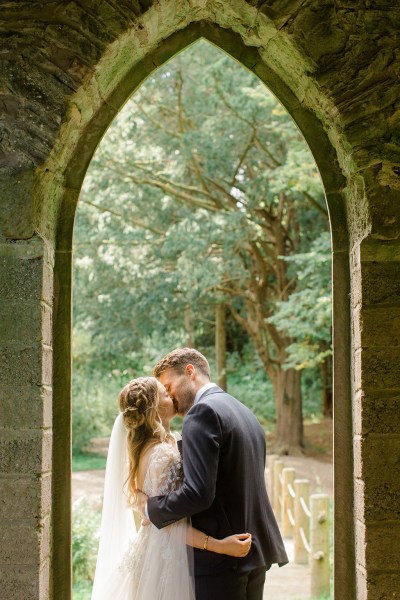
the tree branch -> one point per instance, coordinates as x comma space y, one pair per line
134, 222
316, 204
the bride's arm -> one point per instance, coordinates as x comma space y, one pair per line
234, 545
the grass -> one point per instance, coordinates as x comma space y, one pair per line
88, 461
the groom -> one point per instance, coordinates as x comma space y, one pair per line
223, 490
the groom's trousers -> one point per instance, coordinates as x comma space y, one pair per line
230, 585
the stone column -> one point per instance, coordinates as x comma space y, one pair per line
25, 417
376, 415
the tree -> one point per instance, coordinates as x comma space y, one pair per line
222, 191
306, 315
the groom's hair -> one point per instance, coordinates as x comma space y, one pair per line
179, 358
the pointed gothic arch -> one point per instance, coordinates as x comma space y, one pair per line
76, 163
67, 70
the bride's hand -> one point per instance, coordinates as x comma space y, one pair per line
235, 545
141, 501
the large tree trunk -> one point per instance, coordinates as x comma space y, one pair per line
327, 394
289, 418
189, 327
220, 344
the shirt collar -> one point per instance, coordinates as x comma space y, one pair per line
200, 392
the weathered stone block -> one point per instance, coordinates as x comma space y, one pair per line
27, 550
25, 364
380, 283
377, 464
25, 497
360, 543
47, 366
356, 325
382, 190
19, 582
356, 288
21, 363
361, 583
25, 542
44, 580
356, 370
382, 548
377, 412
383, 586
20, 321
27, 407
16, 204
357, 457
48, 284
44, 531
47, 321
380, 368
380, 327
373, 249
26, 451
21, 278
359, 494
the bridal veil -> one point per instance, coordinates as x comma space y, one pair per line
117, 523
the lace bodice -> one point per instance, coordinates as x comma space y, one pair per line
163, 475
164, 471
154, 563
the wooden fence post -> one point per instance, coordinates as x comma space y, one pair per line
319, 543
278, 467
287, 514
302, 520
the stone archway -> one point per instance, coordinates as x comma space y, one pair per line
106, 52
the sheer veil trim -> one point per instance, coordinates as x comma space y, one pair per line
117, 523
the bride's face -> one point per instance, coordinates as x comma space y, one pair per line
166, 406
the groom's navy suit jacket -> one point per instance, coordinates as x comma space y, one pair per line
223, 489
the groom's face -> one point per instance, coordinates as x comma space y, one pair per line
180, 387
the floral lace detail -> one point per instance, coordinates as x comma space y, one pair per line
164, 474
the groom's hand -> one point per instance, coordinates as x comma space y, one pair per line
141, 501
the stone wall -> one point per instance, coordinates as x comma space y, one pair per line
67, 68
26, 418
376, 386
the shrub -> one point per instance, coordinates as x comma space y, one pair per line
85, 526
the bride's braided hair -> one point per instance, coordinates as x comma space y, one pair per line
138, 402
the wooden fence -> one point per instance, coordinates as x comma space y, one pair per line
302, 517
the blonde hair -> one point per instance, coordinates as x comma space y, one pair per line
138, 402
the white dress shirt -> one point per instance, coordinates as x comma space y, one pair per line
199, 392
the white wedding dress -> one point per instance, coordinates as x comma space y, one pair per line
157, 563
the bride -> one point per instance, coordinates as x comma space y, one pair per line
148, 564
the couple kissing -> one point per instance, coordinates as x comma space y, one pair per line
208, 531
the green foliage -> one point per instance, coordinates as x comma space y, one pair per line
202, 190
82, 590
248, 382
311, 386
88, 462
94, 407
85, 525
306, 315
176, 223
